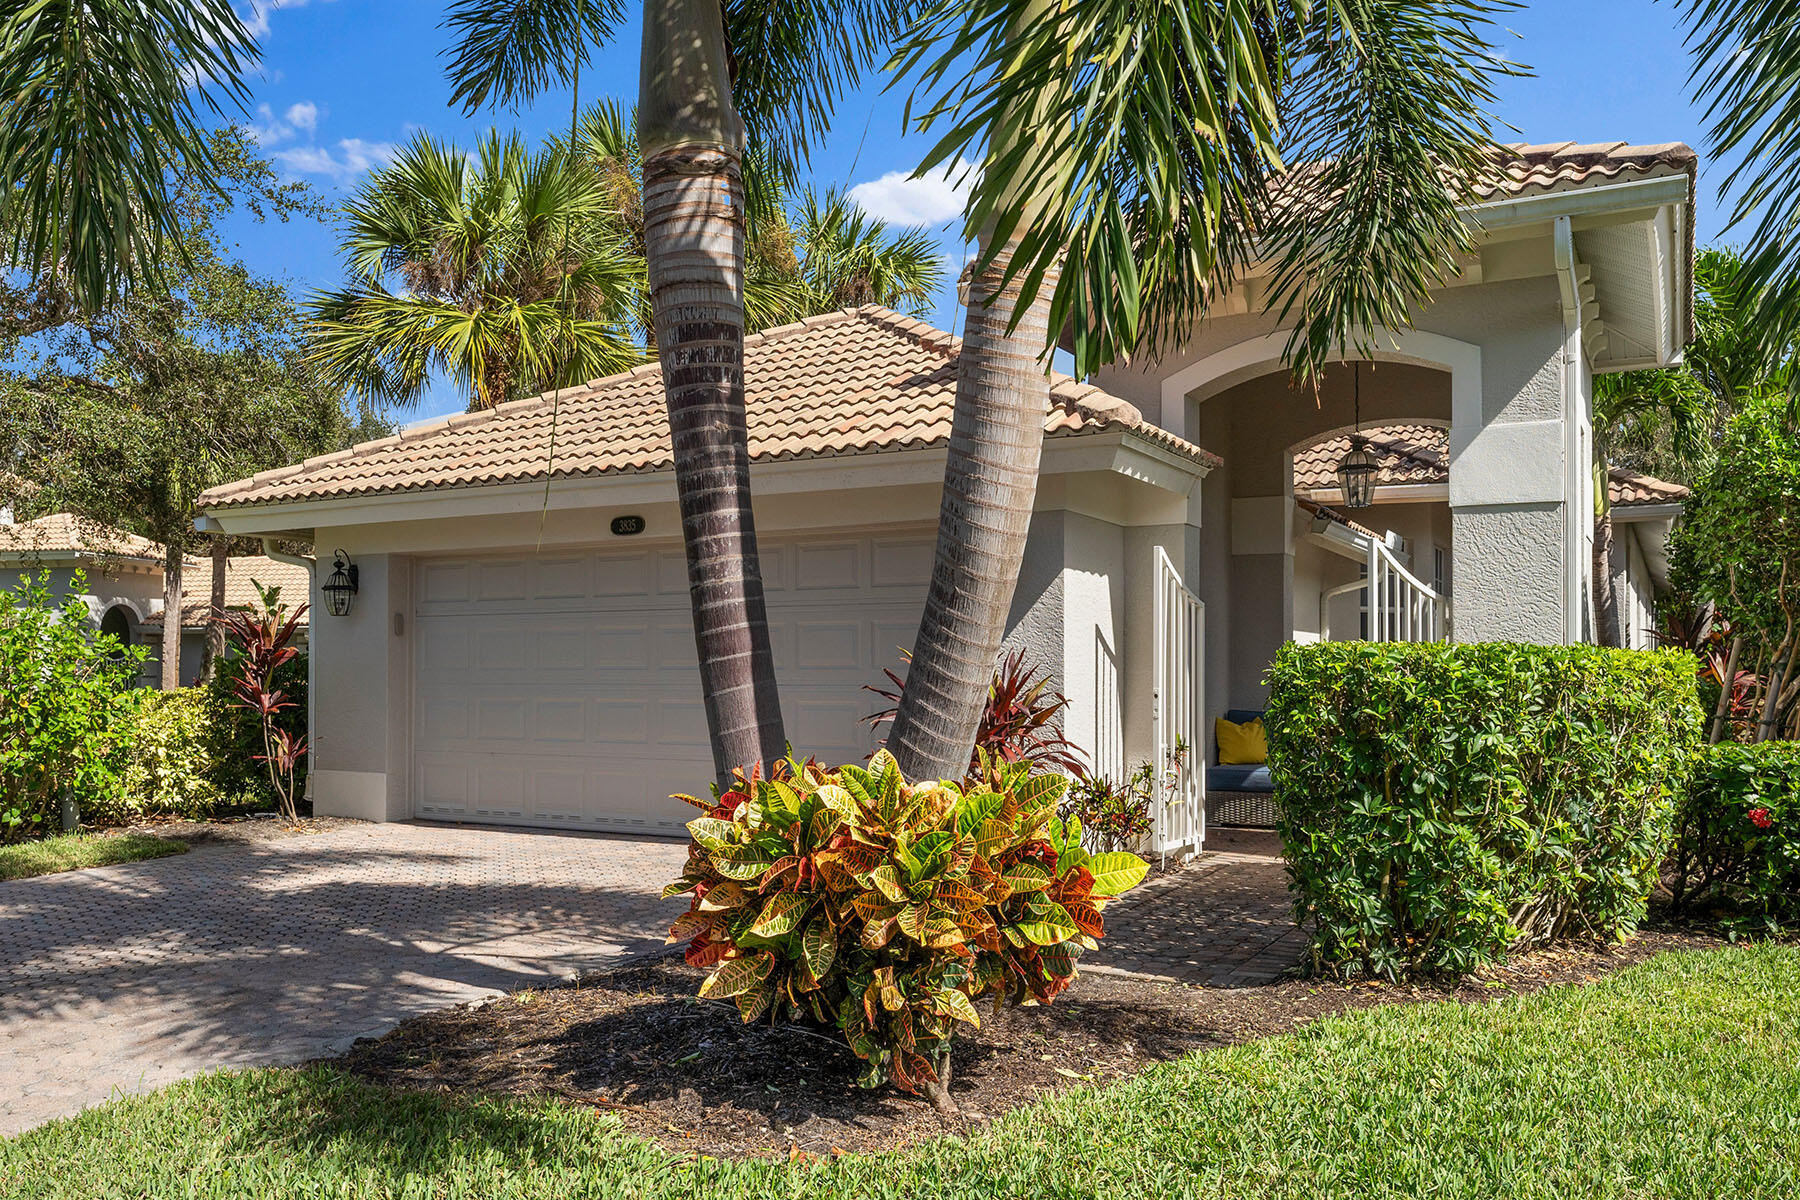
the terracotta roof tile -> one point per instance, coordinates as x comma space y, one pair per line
850, 382
1420, 454
242, 573
66, 533
1526, 169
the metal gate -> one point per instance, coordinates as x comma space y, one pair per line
1181, 773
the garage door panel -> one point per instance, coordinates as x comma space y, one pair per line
563, 689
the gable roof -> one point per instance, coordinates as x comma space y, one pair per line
65, 534
1420, 454
853, 382
242, 573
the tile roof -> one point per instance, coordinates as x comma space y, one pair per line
1418, 454
849, 382
1526, 169
242, 573
66, 533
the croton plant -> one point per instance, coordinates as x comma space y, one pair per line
888, 910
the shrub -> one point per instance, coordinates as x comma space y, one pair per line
1440, 804
1118, 816
168, 767
886, 910
61, 706
1737, 833
261, 639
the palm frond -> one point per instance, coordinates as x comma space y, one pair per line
101, 104
509, 52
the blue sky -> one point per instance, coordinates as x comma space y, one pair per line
345, 81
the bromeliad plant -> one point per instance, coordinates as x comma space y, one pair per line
887, 910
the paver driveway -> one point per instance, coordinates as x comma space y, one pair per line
126, 978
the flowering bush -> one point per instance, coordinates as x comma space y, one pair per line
1737, 834
888, 910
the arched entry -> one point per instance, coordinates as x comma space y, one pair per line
117, 623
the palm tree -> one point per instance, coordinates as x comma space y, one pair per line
506, 269
100, 103
848, 258
1129, 170
709, 91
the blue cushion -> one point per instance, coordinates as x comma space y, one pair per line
1241, 777
1238, 716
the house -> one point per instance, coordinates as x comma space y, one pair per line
122, 581
519, 649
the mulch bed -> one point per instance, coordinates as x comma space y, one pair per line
688, 1074
234, 831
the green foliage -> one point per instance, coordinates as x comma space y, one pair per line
168, 769
886, 910
75, 851
1737, 834
62, 706
1441, 803
235, 734
100, 104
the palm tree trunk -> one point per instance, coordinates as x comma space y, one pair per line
693, 193
990, 483
171, 634
214, 649
1608, 628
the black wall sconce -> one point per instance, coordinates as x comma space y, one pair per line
340, 588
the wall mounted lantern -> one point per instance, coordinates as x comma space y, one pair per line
340, 588
1356, 474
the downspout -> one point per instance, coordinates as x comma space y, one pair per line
1575, 470
307, 565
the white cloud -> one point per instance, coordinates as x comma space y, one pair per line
900, 199
353, 157
257, 19
304, 115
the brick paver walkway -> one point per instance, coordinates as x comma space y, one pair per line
126, 978
1224, 920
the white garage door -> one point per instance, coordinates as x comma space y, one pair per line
560, 688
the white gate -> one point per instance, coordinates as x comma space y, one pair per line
1181, 774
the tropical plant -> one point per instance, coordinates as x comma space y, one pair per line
1021, 721
234, 735
1738, 548
1737, 835
1113, 199
101, 102
506, 269
888, 910
715, 80
1117, 815
62, 705
262, 639
849, 259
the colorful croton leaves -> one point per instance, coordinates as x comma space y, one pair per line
887, 909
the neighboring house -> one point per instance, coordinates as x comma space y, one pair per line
521, 651
122, 581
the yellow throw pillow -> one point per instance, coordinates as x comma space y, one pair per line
1241, 745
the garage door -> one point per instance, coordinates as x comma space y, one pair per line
561, 688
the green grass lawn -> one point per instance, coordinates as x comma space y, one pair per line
72, 851
1675, 1078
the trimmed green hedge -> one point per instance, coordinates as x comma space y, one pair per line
1441, 804
1737, 833
168, 765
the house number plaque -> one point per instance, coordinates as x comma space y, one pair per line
626, 526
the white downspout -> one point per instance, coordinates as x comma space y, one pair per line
308, 565
1574, 466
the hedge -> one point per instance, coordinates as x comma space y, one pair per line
1441, 804
168, 765
1737, 834
235, 740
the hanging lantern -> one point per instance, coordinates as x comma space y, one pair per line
340, 587
1356, 474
